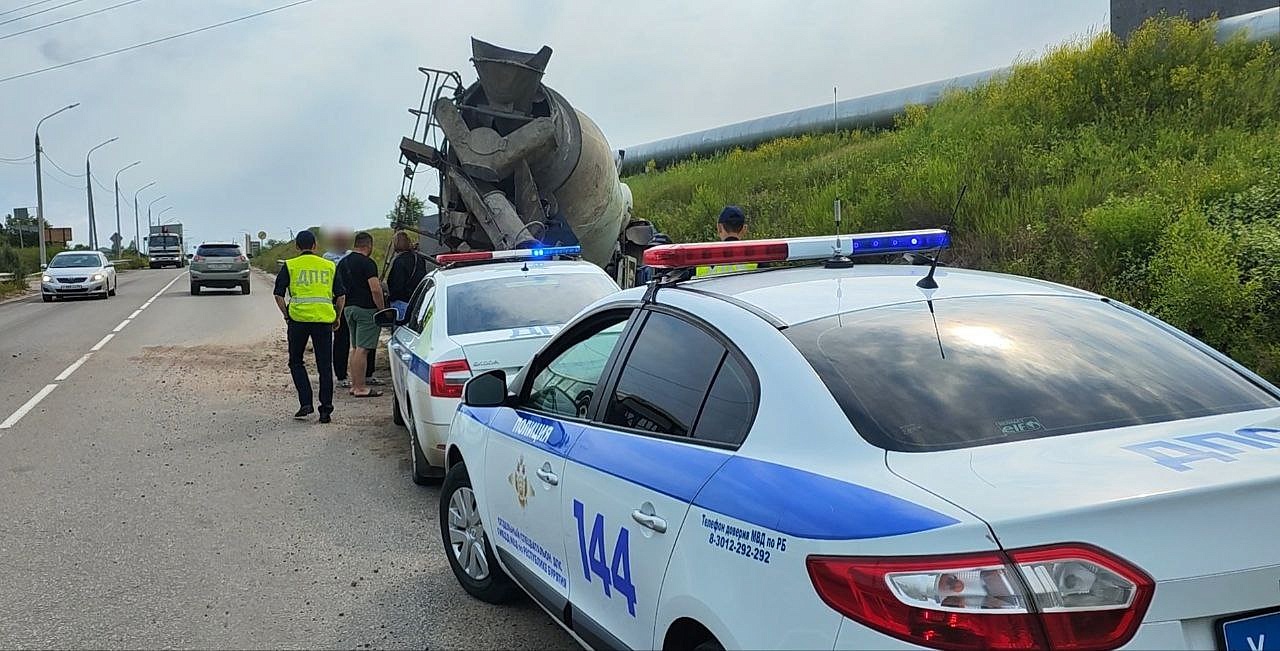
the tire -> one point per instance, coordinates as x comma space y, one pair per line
244, 288
396, 416
493, 585
195, 289
709, 645
47, 298
112, 291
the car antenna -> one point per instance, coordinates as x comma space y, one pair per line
928, 282
838, 259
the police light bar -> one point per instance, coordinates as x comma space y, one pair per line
671, 256
540, 253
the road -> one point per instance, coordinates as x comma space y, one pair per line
160, 495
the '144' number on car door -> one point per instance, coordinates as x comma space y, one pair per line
615, 577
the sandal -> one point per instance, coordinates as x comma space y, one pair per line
373, 393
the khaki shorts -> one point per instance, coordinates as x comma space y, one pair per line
364, 332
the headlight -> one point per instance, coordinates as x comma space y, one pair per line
46, 278
97, 277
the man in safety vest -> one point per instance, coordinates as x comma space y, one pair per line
731, 227
316, 298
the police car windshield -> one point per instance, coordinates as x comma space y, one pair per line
1015, 367
75, 260
522, 301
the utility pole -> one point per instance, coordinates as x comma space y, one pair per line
119, 236
40, 224
137, 234
88, 182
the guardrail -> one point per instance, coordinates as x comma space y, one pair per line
7, 277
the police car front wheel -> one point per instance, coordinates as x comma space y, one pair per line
466, 543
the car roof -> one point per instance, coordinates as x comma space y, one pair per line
469, 272
799, 294
219, 244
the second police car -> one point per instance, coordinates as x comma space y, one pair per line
848, 457
479, 311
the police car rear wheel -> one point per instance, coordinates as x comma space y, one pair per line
419, 464
467, 545
396, 416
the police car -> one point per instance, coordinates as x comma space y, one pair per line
871, 457
479, 311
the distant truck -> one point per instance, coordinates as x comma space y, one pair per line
165, 247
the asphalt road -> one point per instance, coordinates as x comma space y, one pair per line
160, 495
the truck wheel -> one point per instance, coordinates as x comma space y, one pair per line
244, 287
466, 541
195, 289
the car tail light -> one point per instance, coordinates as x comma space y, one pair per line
241, 258
447, 378
1070, 596
198, 258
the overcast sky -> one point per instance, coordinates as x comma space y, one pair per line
294, 118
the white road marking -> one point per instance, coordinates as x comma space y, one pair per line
28, 406
72, 369
44, 393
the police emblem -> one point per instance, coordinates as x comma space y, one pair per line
518, 480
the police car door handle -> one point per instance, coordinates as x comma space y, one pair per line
544, 473
649, 521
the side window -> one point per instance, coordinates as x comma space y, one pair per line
667, 375
730, 406
414, 312
566, 384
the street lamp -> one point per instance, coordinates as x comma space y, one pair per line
88, 183
44, 259
119, 235
161, 213
153, 202
137, 234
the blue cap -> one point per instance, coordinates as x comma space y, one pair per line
733, 218
305, 240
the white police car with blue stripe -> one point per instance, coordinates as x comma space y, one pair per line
480, 310
871, 456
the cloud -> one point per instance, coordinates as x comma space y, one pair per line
294, 118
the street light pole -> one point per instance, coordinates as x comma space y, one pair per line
162, 212
88, 182
40, 225
137, 234
153, 202
119, 235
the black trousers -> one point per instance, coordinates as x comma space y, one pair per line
342, 348
321, 337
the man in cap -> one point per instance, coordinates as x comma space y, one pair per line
315, 299
730, 227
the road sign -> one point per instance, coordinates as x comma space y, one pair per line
262, 235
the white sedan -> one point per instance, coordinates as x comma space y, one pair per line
78, 273
871, 457
479, 311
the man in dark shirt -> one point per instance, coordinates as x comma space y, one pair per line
408, 269
364, 297
311, 312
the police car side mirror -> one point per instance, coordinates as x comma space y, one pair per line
386, 318
489, 389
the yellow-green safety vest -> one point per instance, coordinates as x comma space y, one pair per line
717, 269
311, 289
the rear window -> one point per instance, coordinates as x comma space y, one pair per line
218, 251
522, 301
1000, 369
163, 240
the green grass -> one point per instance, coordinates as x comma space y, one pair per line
1146, 170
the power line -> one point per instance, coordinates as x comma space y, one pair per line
67, 20
37, 13
55, 179
23, 159
60, 168
9, 162
26, 6
154, 42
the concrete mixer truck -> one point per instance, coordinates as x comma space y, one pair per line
519, 167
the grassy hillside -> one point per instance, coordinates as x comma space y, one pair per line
1147, 170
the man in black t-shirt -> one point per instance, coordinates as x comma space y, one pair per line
364, 297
